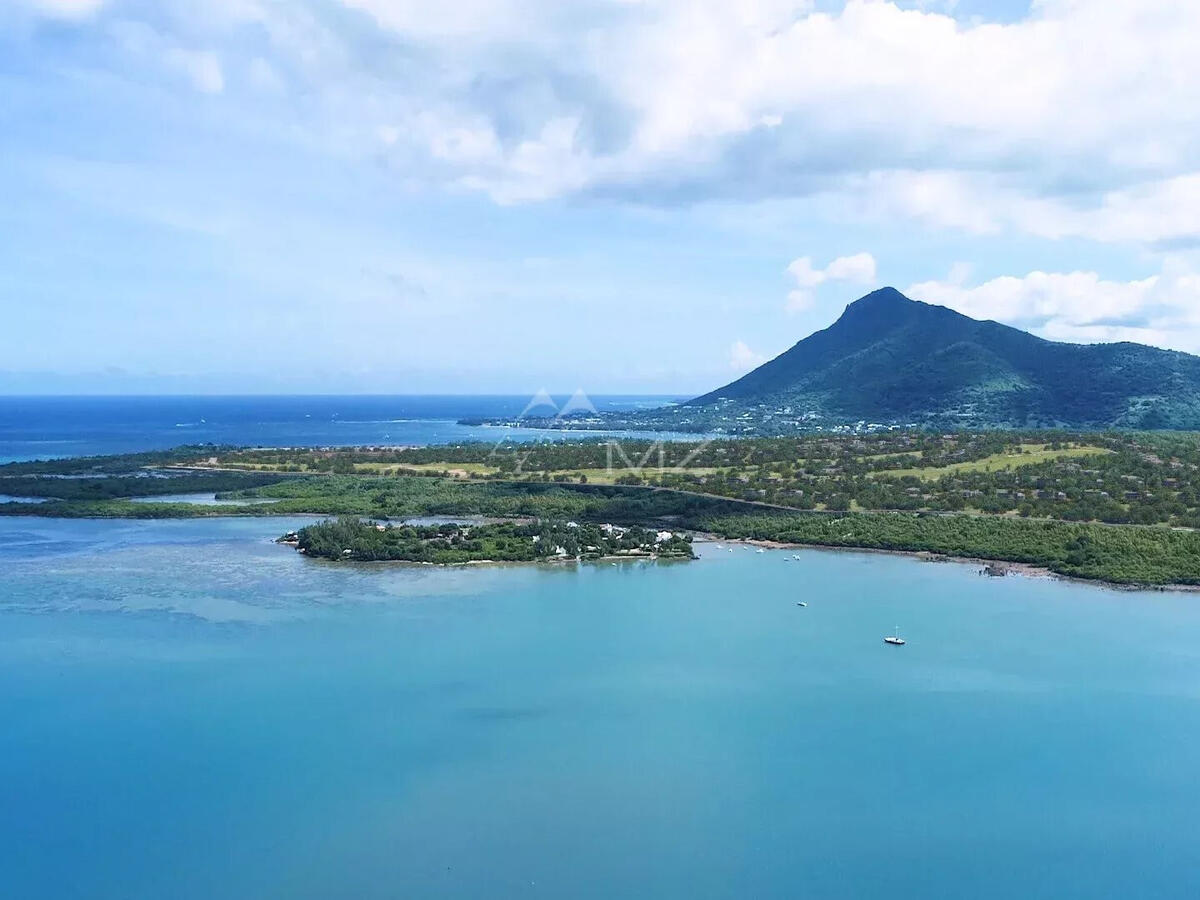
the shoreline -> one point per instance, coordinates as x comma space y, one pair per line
555, 561
1026, 570
1011, 569
1022, 569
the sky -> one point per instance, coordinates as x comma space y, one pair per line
623, 196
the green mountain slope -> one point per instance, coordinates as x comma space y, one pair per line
892, 359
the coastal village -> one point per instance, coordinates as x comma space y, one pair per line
350, 538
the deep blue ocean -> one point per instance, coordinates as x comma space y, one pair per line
44, 427
189, 710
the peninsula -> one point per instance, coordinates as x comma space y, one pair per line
351, 538
1118, 507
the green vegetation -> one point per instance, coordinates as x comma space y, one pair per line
404, 497
101, 485
353, 539
109, 487
128, 509
891, 361
1048, 498
1117, 478
123, 463
1122, 555
1012, 457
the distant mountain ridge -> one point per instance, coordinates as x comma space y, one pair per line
889, 359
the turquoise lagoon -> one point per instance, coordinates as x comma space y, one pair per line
191, 711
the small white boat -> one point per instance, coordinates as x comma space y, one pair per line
760, 550
801, 603
894, 638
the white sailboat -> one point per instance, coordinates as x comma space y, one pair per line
894, 638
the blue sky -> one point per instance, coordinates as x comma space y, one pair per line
620, 195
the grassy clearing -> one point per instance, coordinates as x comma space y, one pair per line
884, 457
455, 469
465, 470
1028, 455
609, 476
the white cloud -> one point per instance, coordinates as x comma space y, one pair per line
803, 272
1078, 120
1149, 212
201, 66
770, 97
1162, 309
857, 269
743, 359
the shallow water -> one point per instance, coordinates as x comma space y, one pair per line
193, 711
201, 499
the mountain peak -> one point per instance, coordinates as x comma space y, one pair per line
892, 359
881, 309
882, 296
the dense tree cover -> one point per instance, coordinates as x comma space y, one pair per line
1019, 496
891, 450
1139, 478
412, 496
115, 464
125, 509
407, 497
142, 484
351, 538
1118, 478
1124, 555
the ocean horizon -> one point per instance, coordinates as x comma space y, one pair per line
43, 427
900, 600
